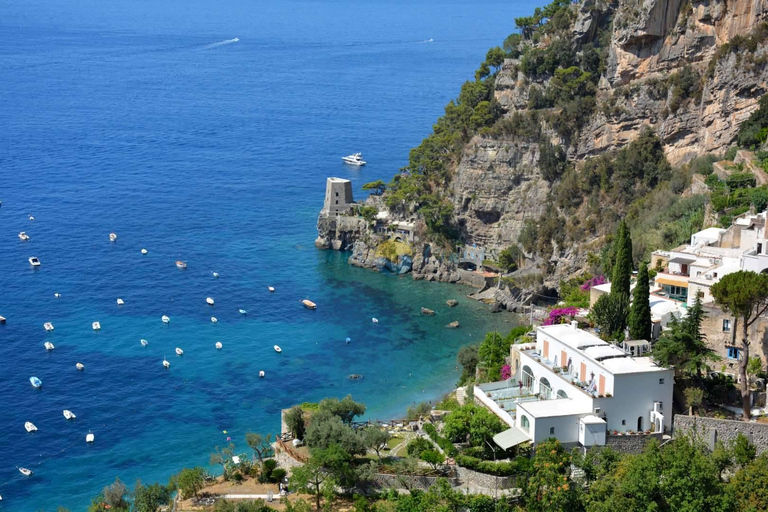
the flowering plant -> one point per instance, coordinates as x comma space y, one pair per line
506, 372
557, 315
590, 283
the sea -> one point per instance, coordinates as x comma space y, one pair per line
203, 131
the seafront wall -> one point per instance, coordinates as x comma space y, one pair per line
712, 430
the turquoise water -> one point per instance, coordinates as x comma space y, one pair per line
144, 118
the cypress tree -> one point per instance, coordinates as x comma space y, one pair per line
622, 266
640, 313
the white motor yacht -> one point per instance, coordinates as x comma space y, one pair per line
23, 236
48, 326
80, 366
166, 319
25, 471
48, 345
144, 343
218, 345
89, 437
120, 301
354, 159
209, 301
30, 427
112, 237
69, 414
34, 261
96, 326
179, 352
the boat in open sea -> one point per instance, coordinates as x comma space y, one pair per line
25, 471
23, 236
80, 366
209, 301
35, 382
179, 352
277, 349
30, 427
181, 264
354, 159
48, 326
309, 304
69, 414
218, 345
166, 319
112, 237
96, 326
166, 364
34, 261
48, 345
89, 438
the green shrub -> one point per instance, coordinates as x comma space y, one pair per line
519, 466
416, 446
447, 446
277, 475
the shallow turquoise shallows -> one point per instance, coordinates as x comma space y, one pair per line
203, 131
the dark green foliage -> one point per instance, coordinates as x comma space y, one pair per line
417, 446
610, 314
640, 312
432, 457
346, 409
509, 258
623, 265
241, 506
294, 420
528, 236
377, 187
753, 131
685, 84
552, 160
519, 466
759, 198
190, 481
683, 345
416, 411
468, 358
741, 45
376, 439
741, 180
326, 430
442, 442
548, 487
492, 352
544, 61
149, 498
476, 422
703, 164
260, 444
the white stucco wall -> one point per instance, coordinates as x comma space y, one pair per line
566, 429
635, 394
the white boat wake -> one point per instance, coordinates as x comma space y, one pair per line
222, 43
430, 40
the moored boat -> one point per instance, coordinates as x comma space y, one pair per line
89, 438
96, 326
242, 311
143, 251
23, 236
261, 374
209, 301
179, 352
354, 159
143, 342
309, 304
48, 345
271, 288
218, 345
214, 319
166, 319
277, 349
30, 427
48, 326
34, 261
69, 414
181, 264
166, 364
25, 471
120, 301
80, 366
35, 382
112, 237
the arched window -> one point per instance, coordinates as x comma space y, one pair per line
545, 389
561, 394
524, 423
528, 378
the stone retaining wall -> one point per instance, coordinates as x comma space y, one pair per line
468, 476
630, 443
713, 430
415, 482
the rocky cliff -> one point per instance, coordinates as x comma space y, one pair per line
691, 71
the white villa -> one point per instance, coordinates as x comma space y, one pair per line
575, 387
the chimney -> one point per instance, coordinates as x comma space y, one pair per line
574, 324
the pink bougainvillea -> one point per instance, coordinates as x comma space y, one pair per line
590, 283
506, 372
558, 315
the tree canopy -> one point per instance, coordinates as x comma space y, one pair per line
640, 312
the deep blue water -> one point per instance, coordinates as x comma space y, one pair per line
127, 116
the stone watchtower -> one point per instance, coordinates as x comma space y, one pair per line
338, 197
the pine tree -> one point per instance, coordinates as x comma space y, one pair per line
622, 268
640, 313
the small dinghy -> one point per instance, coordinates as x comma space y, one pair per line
35, 382
215, 274
25, 471
271, 289
181, 264
57, 295
30, 427
144, 342
80, 366
69, 414
120, 301
34, 261
309, 304
242, 311
89, 437
2, 319
209, 301
375, 320
179, 352
214, 319
277, 349
349, 339
166, 364
261, 374
218, 345
48, 326
96, 326
165, 319
143, 251
48, 345
23, 236
112, 237
31, 217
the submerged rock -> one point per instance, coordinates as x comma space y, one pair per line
453, 325
452, 302
427, 311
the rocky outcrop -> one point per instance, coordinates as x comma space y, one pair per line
339, 232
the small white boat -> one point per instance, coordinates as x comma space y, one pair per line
2, 319
35, 382
80, 366
112, 237
31, 217
261, 374
89, 437
271, 288
165, 319
96, 326
25, 471
218, 345
309, 304
23, 236
277, 349
120, 301
69, 414
242, 311
48, 326
57, 295
215, 274
209, 301
30, 427
144, 342
48, 345
348, 339
375, 320
34, 261
166, 364
354, 159
179, 352
181, 264
214, 319
143, 251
